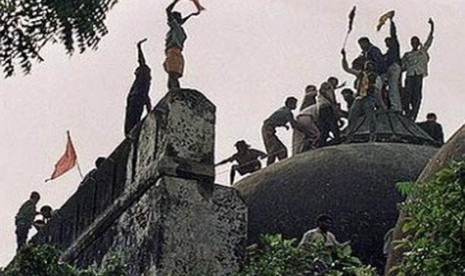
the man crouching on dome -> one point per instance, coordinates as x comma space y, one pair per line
175, 38
246, 158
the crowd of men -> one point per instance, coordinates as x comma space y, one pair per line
377, 87
138, 96
378, 79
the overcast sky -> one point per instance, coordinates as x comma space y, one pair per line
245, 56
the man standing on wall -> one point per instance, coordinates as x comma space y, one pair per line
138, 96
415, 63
175, 38
25, 218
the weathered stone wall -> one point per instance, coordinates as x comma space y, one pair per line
154, 203
174, 230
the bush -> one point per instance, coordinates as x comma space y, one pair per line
435, 219
277, 256
45, 261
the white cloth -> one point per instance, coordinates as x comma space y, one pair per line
315, 235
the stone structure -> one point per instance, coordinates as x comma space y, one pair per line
154, 201
354, 183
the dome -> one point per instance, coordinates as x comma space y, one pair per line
353, 183
390, 126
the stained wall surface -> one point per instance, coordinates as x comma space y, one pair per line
154, 202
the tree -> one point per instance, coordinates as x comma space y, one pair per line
277, 256
45, 261
28, 25
435, 222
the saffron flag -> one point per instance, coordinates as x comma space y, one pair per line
351, 18
382, 20
198, 5
67, 161
351, 23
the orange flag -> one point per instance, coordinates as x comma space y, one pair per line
198, 5
67, 161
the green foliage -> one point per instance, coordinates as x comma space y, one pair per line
436, 225
26, 26
277, 256
45, 261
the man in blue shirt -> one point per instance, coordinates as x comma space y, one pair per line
372, 53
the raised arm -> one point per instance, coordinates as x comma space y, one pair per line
346, 67
393, 30
259, 153
230, 159
429, 41
140, 54
170, 8
184, 20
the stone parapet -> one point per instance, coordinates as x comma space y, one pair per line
154, 202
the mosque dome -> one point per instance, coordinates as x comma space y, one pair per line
353, 183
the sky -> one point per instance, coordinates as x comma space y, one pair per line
245, 56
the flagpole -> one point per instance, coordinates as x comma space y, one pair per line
77, 159
79, 169
345, 40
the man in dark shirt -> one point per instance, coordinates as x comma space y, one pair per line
246, 158
25, 218
139, 94
91, 175
372, 53
349, 97
274, 147
393, 72
433, 128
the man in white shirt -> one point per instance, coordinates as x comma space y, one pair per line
303, 141
415, 63
322, 235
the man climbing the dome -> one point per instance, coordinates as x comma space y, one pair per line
274, 147
246, 159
